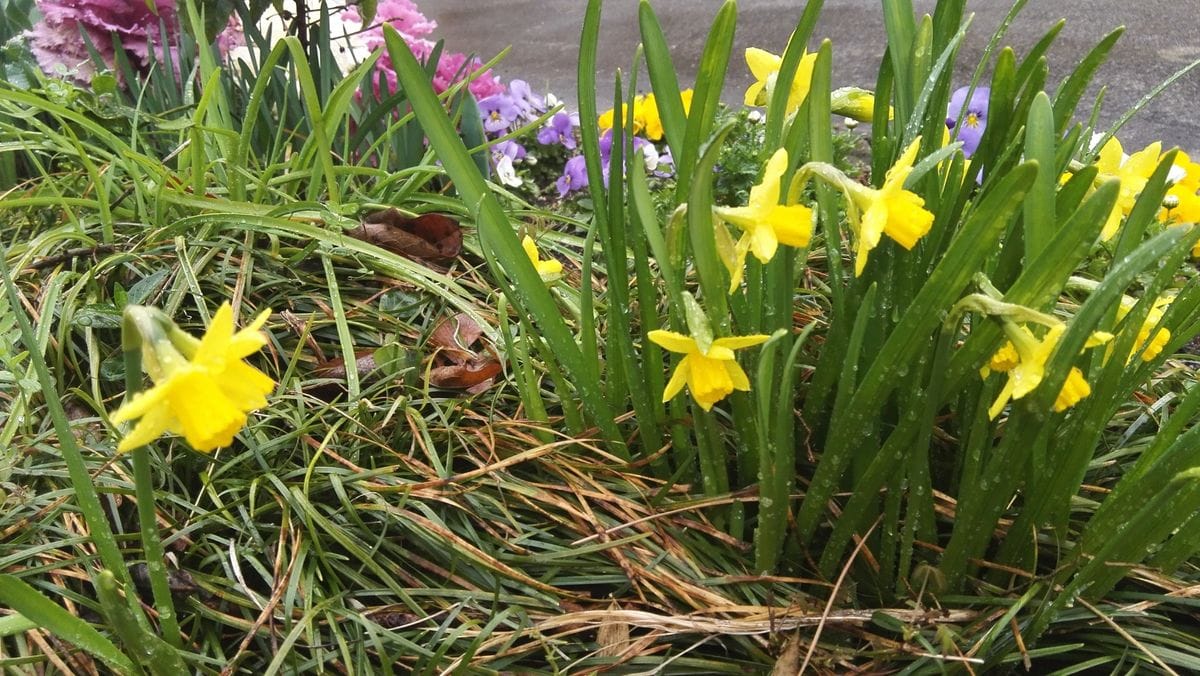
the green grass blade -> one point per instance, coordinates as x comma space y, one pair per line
1040, 209
48, 615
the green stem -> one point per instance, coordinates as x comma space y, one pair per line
143, 483
81, 479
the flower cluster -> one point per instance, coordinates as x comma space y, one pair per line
1182, 203
415, 28
503, 113
352, 41
647, 129
973, 112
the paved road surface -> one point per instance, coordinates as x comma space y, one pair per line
1162, 36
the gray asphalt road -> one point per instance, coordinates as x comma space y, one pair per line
1162, 36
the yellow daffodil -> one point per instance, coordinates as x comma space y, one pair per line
765, 68
890, 210
202, 388
1155, 345
765, 222
1132, 171
712, 374
1181, 204
1024, 358
1073, 391
549, 270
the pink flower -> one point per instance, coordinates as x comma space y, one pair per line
414, 27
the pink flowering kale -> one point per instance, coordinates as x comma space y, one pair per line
57, 44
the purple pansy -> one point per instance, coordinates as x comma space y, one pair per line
561, 130
974, 116
499, 112
640, 145
574, 176
529, 104
510, 149
666, 164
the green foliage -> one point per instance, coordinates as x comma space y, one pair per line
369, 521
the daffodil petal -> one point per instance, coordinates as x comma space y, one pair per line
739, 342
153, 424
737, 376
677, 381
763, 243
207, 417
139, 405
792, 224
674, 342
215, 343
762, 63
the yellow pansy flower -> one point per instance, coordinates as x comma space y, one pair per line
202, 388
605, 121
1132, 171
1024, 358
549, 270
765, 68
646, 116
650, 117
890, 210
765, 222
712, 374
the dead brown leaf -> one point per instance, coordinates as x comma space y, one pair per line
457, 364
427, 237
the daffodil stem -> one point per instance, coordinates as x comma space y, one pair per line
143, 483
81, 479
714, 473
